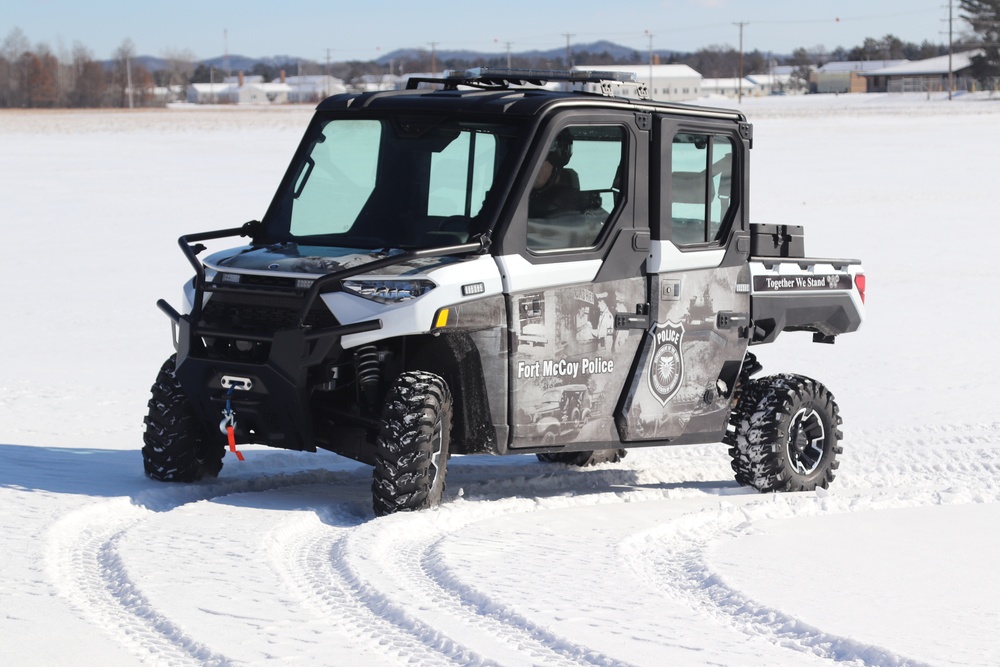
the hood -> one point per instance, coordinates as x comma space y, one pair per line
316, 260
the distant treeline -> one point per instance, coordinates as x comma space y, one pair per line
36, 77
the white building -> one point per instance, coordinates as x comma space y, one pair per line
208, 93
729, 87
239, 89
373, 83
779, 81
666, 83
847, 76
309, 89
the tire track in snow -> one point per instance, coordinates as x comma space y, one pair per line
385, 584
318, 562
674, 557
422, 575
86, 566
503, 622
89, 572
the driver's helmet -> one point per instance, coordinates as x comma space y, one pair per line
561, 149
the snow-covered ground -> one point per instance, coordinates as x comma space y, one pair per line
660, 559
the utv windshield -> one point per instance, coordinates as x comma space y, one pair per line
402, 183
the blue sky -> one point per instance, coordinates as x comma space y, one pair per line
314, 29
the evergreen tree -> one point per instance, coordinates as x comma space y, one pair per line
984, 17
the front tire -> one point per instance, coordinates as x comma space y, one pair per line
176, 447
786, 435
411, 452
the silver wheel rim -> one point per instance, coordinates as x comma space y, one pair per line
806, 437
436, 454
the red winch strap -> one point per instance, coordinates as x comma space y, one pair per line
231, 436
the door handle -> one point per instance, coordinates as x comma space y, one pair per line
727, 319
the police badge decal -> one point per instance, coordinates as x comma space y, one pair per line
667, 367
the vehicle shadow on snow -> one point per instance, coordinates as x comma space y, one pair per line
100, 473
483, 478
290, 480
116, 473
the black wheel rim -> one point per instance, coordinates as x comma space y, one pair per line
806, 441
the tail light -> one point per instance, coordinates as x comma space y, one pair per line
859, 282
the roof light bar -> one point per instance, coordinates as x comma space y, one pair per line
485, 74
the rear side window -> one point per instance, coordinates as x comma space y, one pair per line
702, 175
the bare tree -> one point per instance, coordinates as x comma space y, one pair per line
41, 78
12, 80
89, 85
180, 66
121, 74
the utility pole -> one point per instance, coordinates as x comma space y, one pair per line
951, 75
128, 78
434, 66
740, 77
650, 35
569, 63
508, 55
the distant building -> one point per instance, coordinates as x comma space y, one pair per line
924, 75
373, 83
308, 89
669, 83
208, 93
239, 89
846, 76
729, 87
778, 81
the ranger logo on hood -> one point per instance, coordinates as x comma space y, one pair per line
667, 367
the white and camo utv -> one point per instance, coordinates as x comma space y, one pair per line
415, 290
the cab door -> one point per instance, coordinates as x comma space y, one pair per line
571, 263
699, 296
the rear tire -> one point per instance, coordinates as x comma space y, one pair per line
176, 447
411, 453
786, 435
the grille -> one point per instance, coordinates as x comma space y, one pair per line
262, 313
268, 281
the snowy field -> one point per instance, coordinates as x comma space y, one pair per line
658, 560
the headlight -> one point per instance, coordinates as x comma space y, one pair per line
389, 291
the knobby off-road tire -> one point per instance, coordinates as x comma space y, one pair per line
176, 447
785, 435
584, 459
411, 452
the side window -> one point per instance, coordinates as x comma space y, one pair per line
577, 189
701, 186
461, 174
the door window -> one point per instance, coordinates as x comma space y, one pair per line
702, 173
577, 189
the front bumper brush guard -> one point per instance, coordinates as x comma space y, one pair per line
191, 246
